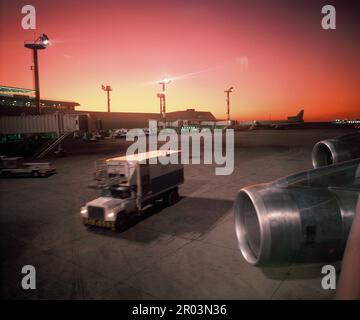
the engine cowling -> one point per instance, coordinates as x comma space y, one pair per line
302, 218
336, 150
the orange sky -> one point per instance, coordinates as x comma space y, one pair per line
276, 56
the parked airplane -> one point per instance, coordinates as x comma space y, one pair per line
276, 124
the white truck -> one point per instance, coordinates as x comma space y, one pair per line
128, 184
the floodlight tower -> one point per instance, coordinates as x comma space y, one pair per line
231, 89
39, 44
107, 88
162, 96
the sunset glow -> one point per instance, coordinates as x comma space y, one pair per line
277, 57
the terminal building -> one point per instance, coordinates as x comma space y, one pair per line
13, 99
24, 132
16, 101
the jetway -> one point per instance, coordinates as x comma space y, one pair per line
62, 124
49, 123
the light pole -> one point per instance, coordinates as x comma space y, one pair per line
40, 43
162, 96
231, 89
107, 88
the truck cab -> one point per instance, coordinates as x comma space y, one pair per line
104, 211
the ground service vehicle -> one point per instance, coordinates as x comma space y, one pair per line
15, 166
127, 185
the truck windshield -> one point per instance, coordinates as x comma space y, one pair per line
116, 193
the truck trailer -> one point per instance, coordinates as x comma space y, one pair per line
128, 184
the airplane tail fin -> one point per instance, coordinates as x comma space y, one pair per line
298, 118
300, 115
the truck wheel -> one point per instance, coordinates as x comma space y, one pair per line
171, 197
121, 222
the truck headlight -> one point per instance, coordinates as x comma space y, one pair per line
110, 215
83, 211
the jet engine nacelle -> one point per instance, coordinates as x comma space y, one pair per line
302, 218
336, 150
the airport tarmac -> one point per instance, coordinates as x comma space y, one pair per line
187, 251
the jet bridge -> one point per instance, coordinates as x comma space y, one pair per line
62, 124
48, 123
